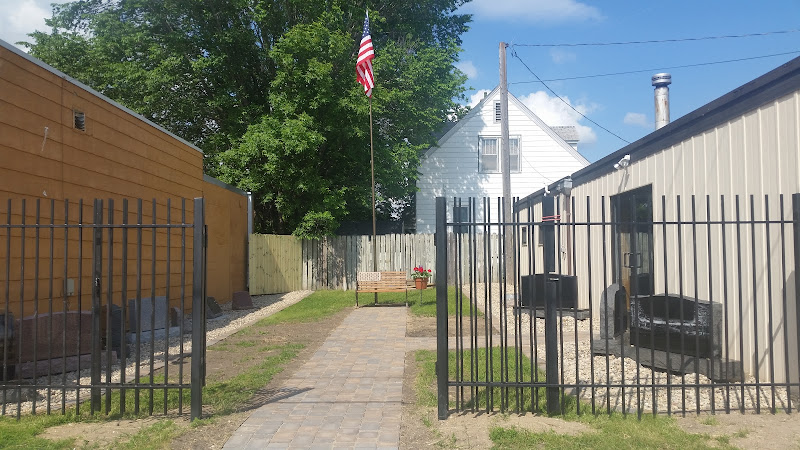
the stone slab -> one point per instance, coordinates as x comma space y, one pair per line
61, 365
716, 368
147, 336
142, 320
176, 317
72, 328
580, 314
241, 300
212, 308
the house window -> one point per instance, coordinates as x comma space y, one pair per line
497, 112
490, 154
513, 147
461, 215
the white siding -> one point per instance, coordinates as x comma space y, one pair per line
451, 170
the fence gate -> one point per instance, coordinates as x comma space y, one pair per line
626, 303
93, 306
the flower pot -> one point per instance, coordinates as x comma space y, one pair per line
421, 283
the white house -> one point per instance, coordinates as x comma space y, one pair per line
466, 161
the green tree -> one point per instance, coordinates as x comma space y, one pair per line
267, 89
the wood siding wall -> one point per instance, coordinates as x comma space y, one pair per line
118, 155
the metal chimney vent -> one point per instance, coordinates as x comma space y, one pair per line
661, 81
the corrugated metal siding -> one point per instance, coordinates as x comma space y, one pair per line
756, 153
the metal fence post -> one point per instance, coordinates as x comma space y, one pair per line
796, 256
97, 269
550, 308
198, 308
442, 369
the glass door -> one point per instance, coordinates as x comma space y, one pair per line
632, 213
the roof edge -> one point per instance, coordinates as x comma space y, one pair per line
54, 71
774, 84
224, 185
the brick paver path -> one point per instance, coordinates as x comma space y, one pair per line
348, 395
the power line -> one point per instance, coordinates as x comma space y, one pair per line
514, 54
659, 41
658, 69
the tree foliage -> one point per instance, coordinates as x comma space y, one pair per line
267, 90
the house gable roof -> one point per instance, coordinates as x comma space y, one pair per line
528, 113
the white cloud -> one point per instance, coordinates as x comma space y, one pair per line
475, 98
542, 11
468, 68
562, 57
18, 18
555, 113
637, 119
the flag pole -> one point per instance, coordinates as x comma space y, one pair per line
372, 166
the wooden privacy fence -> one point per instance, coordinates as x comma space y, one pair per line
285, 263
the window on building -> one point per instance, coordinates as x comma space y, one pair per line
497, 112
461, 215
524, 236
490, 154
513, 146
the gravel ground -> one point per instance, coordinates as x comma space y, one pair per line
216, 329
579, 366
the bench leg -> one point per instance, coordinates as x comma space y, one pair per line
356, 297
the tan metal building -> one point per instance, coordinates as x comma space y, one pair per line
700, 208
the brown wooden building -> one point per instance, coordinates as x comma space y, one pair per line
61, 142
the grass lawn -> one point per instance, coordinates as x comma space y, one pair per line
222, 396
607, 431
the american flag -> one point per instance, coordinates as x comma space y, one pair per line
364, 63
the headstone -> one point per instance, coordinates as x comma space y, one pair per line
612, 322
142, 320
677, 324
242, 300
212, 308
71, 335
177, 316
62, 365
116, 327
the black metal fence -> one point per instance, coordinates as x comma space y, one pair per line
92, 306
622, 304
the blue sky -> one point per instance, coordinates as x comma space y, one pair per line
623, 104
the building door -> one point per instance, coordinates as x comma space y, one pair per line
632, 213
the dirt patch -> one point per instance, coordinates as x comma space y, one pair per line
103, 435
765, 430
420, 427
418, 326
224, 360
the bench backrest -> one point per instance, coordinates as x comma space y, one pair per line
381, 280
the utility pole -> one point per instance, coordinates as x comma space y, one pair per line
505, 169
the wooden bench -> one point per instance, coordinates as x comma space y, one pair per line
374, 282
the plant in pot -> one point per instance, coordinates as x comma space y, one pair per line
421, 276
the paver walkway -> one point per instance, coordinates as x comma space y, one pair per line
347, 395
